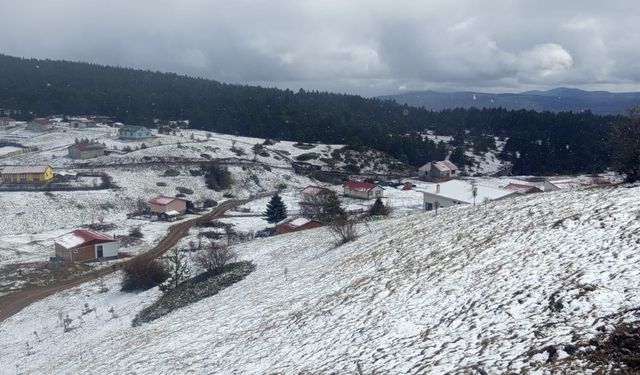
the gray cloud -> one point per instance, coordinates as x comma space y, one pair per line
364, 46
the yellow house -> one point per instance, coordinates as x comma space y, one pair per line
26, 174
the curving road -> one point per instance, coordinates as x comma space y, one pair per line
12, 303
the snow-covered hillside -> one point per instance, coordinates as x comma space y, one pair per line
481, 288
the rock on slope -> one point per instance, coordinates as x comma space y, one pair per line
471, 289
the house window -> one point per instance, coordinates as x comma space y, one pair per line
428, 206
100, 251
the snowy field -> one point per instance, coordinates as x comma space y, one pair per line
469, 288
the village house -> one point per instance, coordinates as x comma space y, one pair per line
362, 190
296, 224
134, 132
438, 170
83, 245
85, 150
522, 188
7, 122
560, 184
81, 123
458, 192
313, 200
40, 125
167, 208
10, 151
26, 174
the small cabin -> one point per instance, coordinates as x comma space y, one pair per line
362, 190
84, 245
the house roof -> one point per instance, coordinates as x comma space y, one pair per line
360, 185
41, 121
80, 237
9, 149
88, 146
564, 184
8, 119
19, 169
463, 191
522, 188
315, 190
296, 222
163, 200
443, 165
132, 128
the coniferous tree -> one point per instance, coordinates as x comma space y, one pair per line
333, 208
379, 208
276, 210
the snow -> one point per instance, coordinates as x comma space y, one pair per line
299, 221
417, 294
5, 150
463, 191
70, 240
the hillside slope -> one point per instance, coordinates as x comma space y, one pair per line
471, 289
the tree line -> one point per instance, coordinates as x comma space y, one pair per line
536, 143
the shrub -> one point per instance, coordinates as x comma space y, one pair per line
209, 203
343, 229
205, 156
135, 232
196, 172
161, 184
308, 156
215, 257
217, 177
141, 274
379, 208
171, 173
352, 168
184, 190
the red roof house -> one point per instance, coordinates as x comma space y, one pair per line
362, 190
522, 188
296, 224
83, 245
163, 204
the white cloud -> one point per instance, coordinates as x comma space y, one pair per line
365, 46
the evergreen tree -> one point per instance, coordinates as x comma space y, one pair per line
332, 209
379, 208
178, 269
276, 210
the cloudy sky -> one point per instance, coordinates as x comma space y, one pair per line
369, 47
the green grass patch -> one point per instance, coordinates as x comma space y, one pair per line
193, 290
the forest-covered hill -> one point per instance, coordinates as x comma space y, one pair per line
537, 143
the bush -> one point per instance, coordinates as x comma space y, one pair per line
379, 208
196, 172
161, 184
217, 177
172, 173
184, 190
344, 230
141, 274
215, 257
106, 181
135, 232
209, 203
193, 290
352, 168
205, 156
308, 156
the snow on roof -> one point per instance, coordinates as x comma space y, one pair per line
295, 222
88, 146
463, 191
24, 169
172, 213
315, 190
443, 165
9, 149
162, 200
80, 237
521, 188
360, 185
564, 184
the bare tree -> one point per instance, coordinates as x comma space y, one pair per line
214, 257
343, 228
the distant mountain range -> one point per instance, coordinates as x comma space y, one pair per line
556, 100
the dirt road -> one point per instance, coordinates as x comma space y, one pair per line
11, 303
